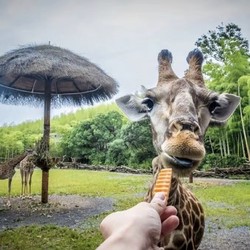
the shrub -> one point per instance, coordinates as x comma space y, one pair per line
217, 161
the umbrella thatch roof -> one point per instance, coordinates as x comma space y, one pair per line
73, 79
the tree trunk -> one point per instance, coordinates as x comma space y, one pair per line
224, 146
243, 128
191, 177
221, 149
227, 143
211, 145
242, 146
238, 145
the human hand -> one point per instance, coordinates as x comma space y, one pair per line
139, 227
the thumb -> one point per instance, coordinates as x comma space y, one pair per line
158, 203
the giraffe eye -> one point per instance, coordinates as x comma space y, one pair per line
213, 106
149, 104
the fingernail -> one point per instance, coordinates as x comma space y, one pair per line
160, 195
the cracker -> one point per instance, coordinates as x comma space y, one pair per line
163, 182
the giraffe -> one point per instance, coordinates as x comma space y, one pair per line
26, 170
180, 110
7, 171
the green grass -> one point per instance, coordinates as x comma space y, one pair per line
126, 189
48, 237
226, 205
87, 183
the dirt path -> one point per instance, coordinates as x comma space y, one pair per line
62, 210
216, 238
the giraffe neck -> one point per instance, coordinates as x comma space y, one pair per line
189, 233
27, 162
174, 194
14, 161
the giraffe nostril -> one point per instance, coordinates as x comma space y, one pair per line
175, 127
193, 127
188, 127
181, 126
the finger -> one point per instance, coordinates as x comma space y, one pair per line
159, 195
108, 225
170, 210
157, 248
170, 224
104, 228
158, 203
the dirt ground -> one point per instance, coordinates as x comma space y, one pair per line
73, 211
62, 210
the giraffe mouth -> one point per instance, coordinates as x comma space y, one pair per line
178, 161
183, 162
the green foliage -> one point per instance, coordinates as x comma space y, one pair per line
133, 147
228, 70
98, 135
138, 139
223, 40
227, 57
89, 139
118, 153
217, 161
244, 91
106, 139
15, 138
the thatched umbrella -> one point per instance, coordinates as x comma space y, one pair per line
48, 75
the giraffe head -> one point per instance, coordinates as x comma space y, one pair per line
180, 111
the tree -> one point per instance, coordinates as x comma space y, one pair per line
245, 113
118, 153
138, 139
223, 42
227, 59
89, 139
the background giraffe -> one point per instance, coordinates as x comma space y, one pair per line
7, 171
180, 111
26, 170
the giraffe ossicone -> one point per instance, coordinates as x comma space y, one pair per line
180, 110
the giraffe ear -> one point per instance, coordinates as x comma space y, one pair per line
133, 106
222, 108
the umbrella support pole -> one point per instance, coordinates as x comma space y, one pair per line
46, 133
45, 185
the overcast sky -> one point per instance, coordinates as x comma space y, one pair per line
123, 37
